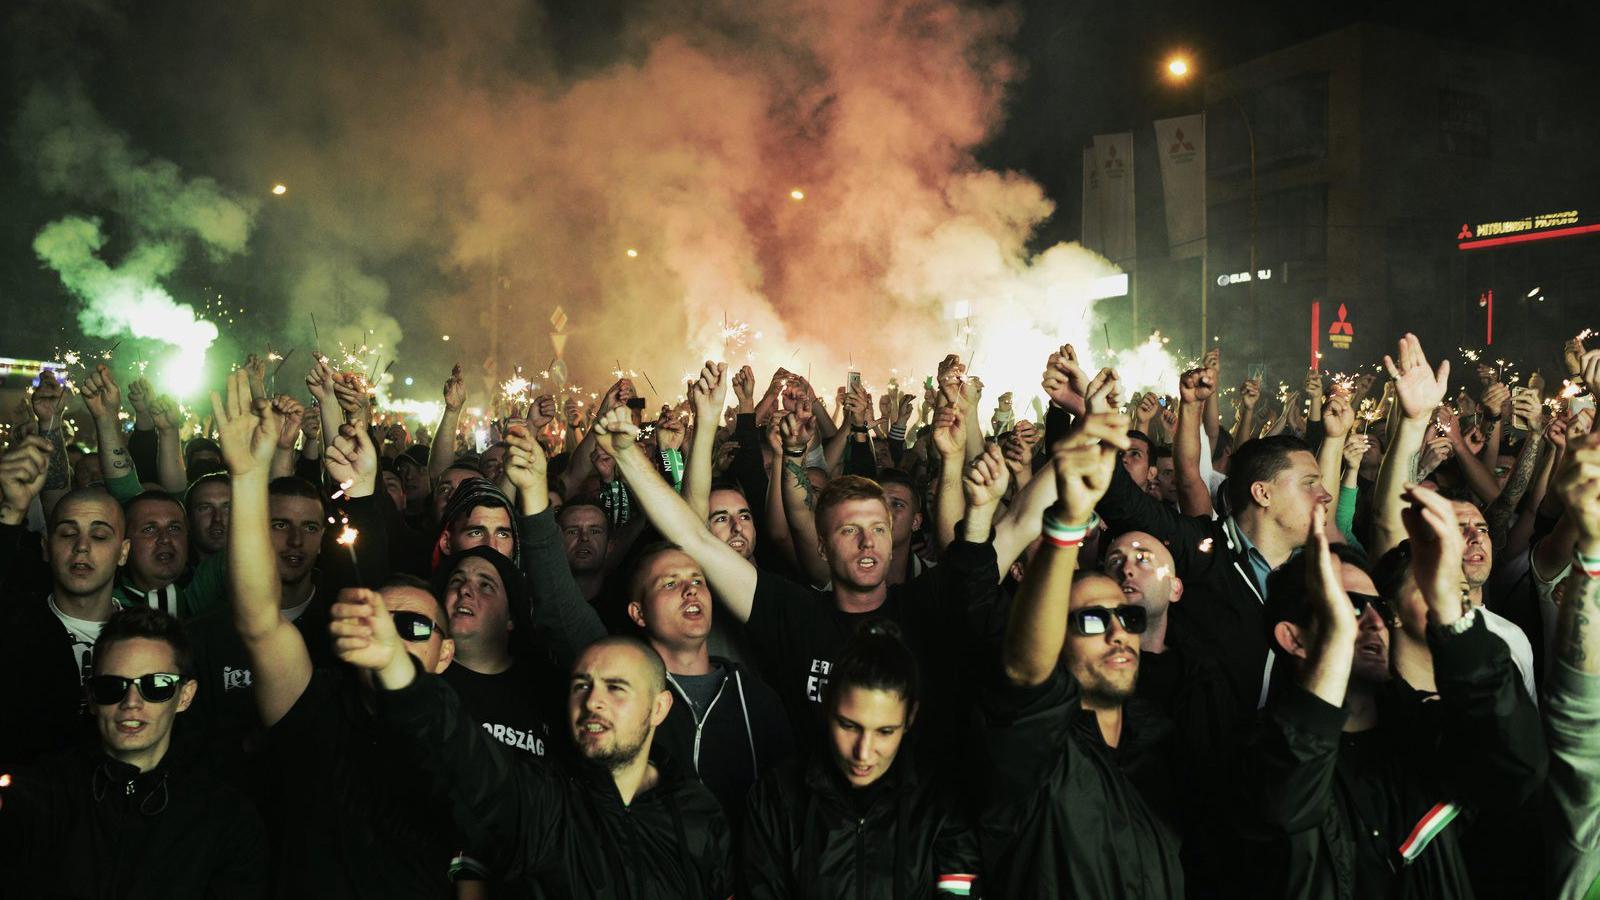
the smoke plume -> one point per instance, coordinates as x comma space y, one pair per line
677, 181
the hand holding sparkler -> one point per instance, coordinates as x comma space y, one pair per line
1101, 393
139, 396
744, 389
1249, 393
986, 479
1084, 462
22, 475
352, 461
908, 404
615, 431
1572, 355
455, 390
1419, 388
350, 390
1355, 448
101, 395
1435, 451
257, 369
319, 381
364, 636
1065, 381
49, 401
1496, 401
291, 416
541, 412
1146, 410
709, 394
247, 429
528, 468
797, 429
1528, 408
950, 433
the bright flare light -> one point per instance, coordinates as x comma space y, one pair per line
1177, 67
797, 194
279, 189
632, 253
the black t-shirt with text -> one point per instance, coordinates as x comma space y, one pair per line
511, 706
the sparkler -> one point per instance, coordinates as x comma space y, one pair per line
347, 538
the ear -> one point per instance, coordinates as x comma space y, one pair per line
447, 655
1261, 493
916, 520
636, 613
1017, 571
911, 716
1290, 637
1177, 589
443, 543
122, 558
186, 693
659, 710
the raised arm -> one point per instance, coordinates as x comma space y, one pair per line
442, 451
169, 445
1037, 628
248, 433
799, 506
1334, 624
557, 604
1337, 420
104, 399
983, 485
291, 414
709, 395
49, 403
950, 426
1418, 391
732, 577
1196, 388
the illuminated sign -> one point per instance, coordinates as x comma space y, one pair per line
1545, 226
1341, 333
1241, 277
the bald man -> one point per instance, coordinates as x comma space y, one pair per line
624, 814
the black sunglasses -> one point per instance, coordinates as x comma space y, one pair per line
414, 626
157, 687
1362, 601
1096, 620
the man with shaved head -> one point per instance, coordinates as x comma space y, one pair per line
49, 638
624, 813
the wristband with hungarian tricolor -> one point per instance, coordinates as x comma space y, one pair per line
1063, 535
1588, 565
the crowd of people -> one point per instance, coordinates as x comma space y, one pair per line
765, 646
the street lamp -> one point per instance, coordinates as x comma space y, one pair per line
1178, 70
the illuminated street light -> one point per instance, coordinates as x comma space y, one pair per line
1178, 67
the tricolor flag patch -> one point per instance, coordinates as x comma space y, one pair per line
957, 885
1427, 829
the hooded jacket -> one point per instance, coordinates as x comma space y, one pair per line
562, 828
807, 834
743, 734
1336, 815
82, 824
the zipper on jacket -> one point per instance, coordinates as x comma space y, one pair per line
699, 721
861, 870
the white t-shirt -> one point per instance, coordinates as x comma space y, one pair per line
1517, 642
83, 632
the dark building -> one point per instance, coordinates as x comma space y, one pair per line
1374, 148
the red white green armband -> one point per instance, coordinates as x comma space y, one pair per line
1063, 535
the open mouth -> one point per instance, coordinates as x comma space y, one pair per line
867, 563
165, 556
592, 726
861, 771
80, 568
294, 560
738, 543
130, 726
1120, 659
693, 611
1373, 649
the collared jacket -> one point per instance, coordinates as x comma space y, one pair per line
1335, 815
1222, 601
1064, 814
564, 829
81, 825
807, 834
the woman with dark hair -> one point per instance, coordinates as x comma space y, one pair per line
856, 819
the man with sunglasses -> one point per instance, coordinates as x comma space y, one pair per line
101, 820
357, 819
1352, 783
1080, 791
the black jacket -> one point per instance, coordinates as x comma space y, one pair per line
744, 733
82, 824
1329, 811
1064, 814
807, 834
36, 651
565, 829
1221, 608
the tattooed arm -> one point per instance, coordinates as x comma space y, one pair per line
1503, 510
799, 502
1578, 620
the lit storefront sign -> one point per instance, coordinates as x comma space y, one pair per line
1545, 226
1242, 277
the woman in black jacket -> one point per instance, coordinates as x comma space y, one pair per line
856, 820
